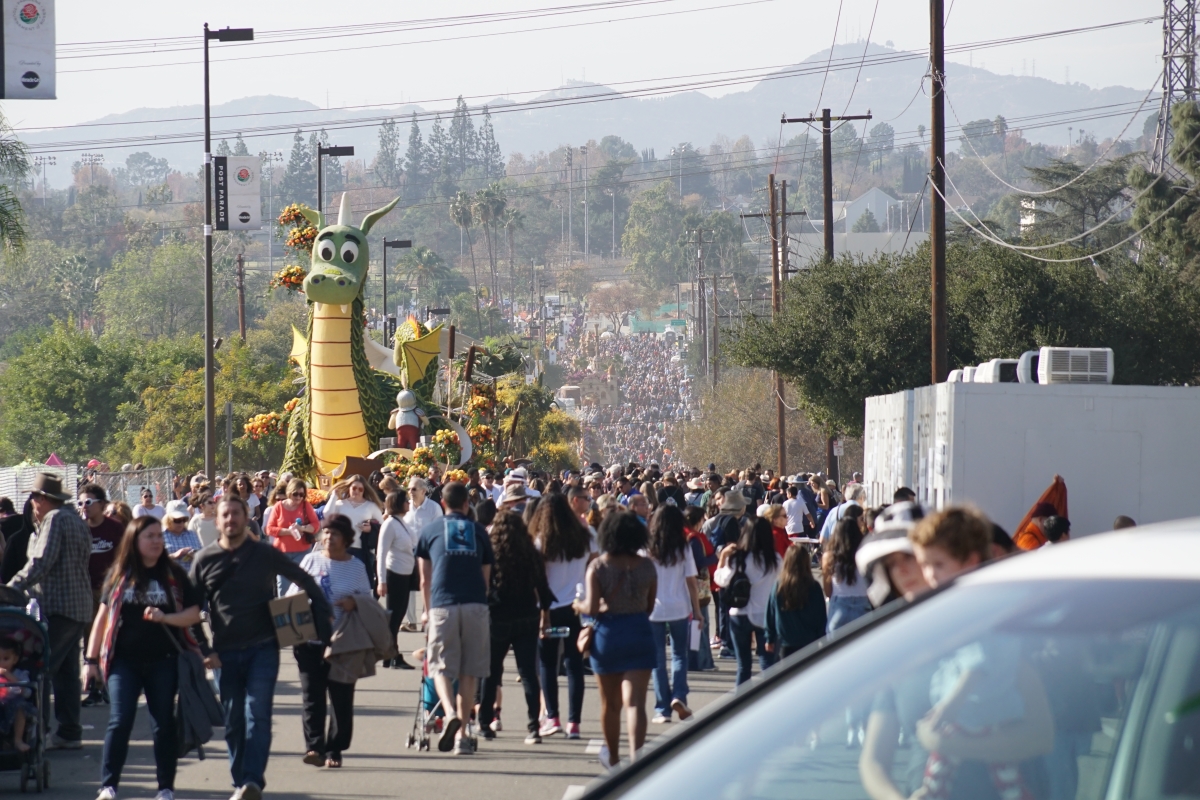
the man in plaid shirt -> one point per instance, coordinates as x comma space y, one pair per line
57, 574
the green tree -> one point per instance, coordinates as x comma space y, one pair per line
239, 146
299, 183
881, 141
866, 223
1075, 209
151, 292
488, 210
860, 327
416, 166
1169, 210
490, 158
143, 169
14, 166
387, 158
462, 215
61, 395
462, 141
652, 237
424, 268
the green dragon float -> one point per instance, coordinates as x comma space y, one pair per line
350, 380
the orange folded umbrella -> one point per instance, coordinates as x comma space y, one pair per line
1053, 502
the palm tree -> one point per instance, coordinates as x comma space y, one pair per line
424, 267
462, 216
513, 221
14, 163
489, 206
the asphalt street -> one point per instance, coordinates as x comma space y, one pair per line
378, 764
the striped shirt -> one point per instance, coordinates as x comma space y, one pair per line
176, 542
337, 579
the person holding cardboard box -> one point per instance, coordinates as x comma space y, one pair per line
237, 577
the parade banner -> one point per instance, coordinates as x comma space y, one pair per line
28, 44
238, 193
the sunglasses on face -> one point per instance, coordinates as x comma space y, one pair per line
88, 502
296, 494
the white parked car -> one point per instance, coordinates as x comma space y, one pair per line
1080, 666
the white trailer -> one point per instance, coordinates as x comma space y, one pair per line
1132, 450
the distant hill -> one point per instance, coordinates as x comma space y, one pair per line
888, 90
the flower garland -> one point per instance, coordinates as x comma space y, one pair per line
290, 278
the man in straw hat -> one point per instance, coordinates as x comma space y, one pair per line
57, 574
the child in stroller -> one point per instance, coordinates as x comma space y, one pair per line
15, 708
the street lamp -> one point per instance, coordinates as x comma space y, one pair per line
90, 160
387, 317
210, 412
612, 192
336, 152
270, 159
43, 161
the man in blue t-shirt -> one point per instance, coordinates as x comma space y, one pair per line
455, 558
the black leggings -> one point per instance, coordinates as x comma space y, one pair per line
398, 587
314, 685
521, 635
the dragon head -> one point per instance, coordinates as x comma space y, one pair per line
340, 256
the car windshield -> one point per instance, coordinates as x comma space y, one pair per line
1065, 690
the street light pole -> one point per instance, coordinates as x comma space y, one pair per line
386, 316
327, 151
210, 411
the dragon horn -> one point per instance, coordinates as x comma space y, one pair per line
344, 211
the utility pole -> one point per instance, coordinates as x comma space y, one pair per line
241, 290
827, 164
776, 307
334, 152
587, 250
570, 203
939, 356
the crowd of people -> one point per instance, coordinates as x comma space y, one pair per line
635, 576
655, 395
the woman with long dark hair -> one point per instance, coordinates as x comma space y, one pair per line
676, 604
845, 588
148, 604
396, 565
747, 571
796, 608
621, 586
567, 547
518, 607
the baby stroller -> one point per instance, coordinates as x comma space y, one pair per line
27, 631
429, 716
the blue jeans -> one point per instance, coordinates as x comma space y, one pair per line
701, 659
283, 583
675, 685
740, 628
845, 609
248, 693
127, 681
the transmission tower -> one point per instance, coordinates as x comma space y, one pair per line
1179, 73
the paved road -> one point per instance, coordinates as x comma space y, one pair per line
378, 764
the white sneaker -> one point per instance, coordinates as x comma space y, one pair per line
605, 758
660, 719
107, 793
165, 794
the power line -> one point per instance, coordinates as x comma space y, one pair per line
340, 50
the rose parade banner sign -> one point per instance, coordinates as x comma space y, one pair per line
238, 193
28, 44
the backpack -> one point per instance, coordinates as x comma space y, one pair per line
738, 589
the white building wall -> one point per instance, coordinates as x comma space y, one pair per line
1121, 449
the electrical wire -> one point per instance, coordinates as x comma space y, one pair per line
345, 49
866, 46
1089, 168
1108, 249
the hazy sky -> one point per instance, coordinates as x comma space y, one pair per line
645, 39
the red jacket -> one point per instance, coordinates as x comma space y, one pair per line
782, 542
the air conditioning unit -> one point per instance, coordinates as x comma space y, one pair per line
998, 370
1075, 365
968, 374
955, 376
1027, 366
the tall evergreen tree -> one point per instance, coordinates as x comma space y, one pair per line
464, 142
490, 158
223, 149
387, 160
239, 146
415, 166
299, 183
437, 156
335, 180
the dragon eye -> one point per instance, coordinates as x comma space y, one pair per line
326, 250
349, 252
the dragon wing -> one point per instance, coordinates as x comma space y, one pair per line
299, 352
420, 353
